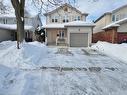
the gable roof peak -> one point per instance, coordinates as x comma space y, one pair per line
63, 5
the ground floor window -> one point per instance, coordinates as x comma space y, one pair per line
61, 34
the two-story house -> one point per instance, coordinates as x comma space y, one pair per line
8, 26
112, 26
67, 25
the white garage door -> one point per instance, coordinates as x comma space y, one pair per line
78, 39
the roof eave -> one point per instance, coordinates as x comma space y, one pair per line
119, 8
110, 27
79, 25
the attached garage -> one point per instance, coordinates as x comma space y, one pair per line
79, 39
79, 33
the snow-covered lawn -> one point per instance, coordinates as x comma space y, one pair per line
38, 70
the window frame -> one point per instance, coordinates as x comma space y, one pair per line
113, 18
55, 19
65, 19
61, 34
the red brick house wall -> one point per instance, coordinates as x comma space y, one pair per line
109, 35
98, 37
121, 36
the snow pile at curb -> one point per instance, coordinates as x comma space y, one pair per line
114, 50
27, 56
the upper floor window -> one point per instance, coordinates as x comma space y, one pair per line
52, 20
65, 18
77, 18
4, 21
113, 18
117, 17
55, 19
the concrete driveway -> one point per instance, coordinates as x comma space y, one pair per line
99, 74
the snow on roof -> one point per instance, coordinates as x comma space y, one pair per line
14, 27
111, 25
54, 25
7, 15
122, 21
115, 24
79, 23
73, 23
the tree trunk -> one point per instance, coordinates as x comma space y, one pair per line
19, 5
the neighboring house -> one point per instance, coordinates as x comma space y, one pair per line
112, 26
8, 26
102, 21
66, 25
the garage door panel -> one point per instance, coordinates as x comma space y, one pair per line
78, 39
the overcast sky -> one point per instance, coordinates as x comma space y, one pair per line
95, 9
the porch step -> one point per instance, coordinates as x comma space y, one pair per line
61, 42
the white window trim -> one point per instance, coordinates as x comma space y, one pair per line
61, 34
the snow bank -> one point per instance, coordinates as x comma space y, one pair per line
27, 56
34, 51
114, 50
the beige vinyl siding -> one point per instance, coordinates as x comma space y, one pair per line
102, 23
122, 28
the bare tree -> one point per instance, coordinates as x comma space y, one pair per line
18, 6
3, 8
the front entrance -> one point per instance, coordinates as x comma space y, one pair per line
56, 36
